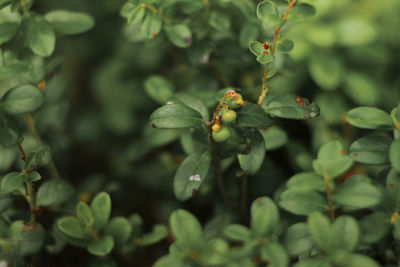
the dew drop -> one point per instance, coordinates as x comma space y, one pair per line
313, 114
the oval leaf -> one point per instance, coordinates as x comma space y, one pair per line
21, 100
175, 116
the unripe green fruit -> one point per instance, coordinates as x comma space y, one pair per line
222, 135
229, 116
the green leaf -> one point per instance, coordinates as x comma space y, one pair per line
237, 232
252, 115
28, 240
9, 25
21, 100
256, 48
371, 149
250, 163
175, 116
264, 216
73, 227
84, 214
39, 34
158, 233
297, 239
267, 11
357, 194
370, 118
191, 101
346, 233
191, 174
321, 231
101, 209
317, 261
352, 260
219, 21
394, 154
152, 25
179, 34
331, 161
215, 252
274, 137
102, 246
248, 33
35, 157
158, 88
186, 229
136, 15
306, 181
13, 69
169, 260
70, 22
8, 137
374, 227
120, 229
14, 181
326, 70
284, 46
362, 89
393, 188
302, 202
356, 31
54, 192
275, 254
286, 106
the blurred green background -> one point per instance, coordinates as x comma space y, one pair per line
96, 116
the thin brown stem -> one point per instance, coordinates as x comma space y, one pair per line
21, 151
32, 129
264, 89
328, 190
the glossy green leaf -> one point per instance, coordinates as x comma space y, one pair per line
191, 101
191, 174
102, 246
101, 209
136, 15
70, 22
21, 100
186, 229
158, 233
275, 254
284, 46
39, 35
267, 11
331, 161
371, 149
175, 116
326, 70
14, 181
256, 48
274, 137
264, 216
84, 214
286, 106
306, 181
321, 231
152, 25
252, 115
394, 154
9, 25
119, 228
159, 88
297, 239
357, 194
302, 202
72, 227
179, 34
346, 233
237, 232
374, 227
54, 192
250, 163
219, 21
370, 118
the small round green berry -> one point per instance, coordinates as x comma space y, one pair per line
222, 135
229, 116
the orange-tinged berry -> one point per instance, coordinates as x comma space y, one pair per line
216, 127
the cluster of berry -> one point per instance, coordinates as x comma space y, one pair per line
226, 114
